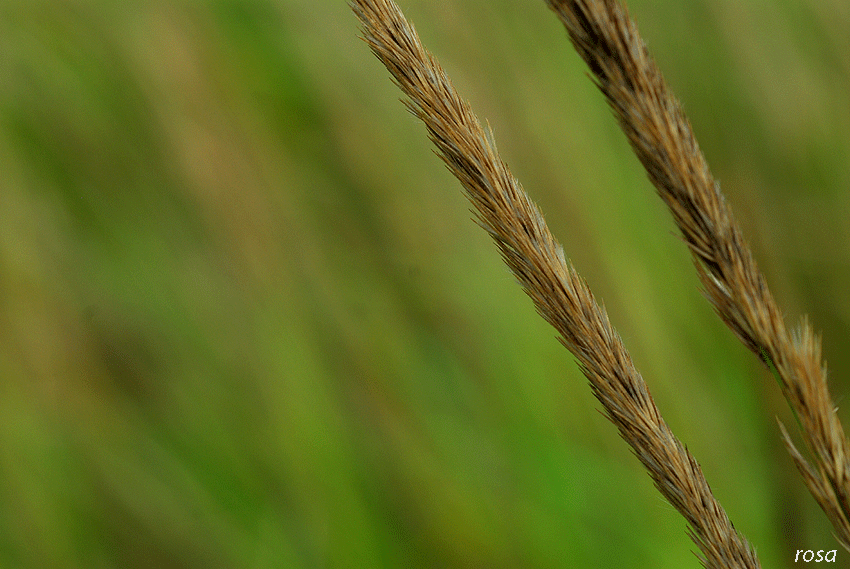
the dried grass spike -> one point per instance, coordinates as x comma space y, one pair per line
558, 293
651, 117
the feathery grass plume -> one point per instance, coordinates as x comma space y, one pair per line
661, 136
558, 292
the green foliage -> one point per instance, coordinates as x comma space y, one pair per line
245, 319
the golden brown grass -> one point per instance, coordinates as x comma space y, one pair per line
607, 39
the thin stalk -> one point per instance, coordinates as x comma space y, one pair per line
560, 295
608, 40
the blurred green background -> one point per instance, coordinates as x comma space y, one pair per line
246, 321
